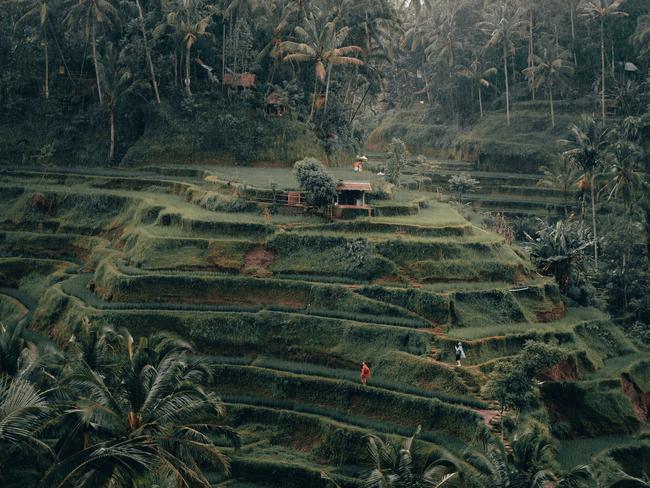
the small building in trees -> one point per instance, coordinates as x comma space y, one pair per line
351, 197
243, 80
277, 103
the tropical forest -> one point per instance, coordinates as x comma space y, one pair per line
325, 243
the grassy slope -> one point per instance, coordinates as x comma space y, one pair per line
523, 147
153, 228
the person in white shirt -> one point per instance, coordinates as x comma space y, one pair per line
460, 353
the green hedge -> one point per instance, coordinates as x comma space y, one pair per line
589, 408
347, 375
359, 226
333, 342
464, 270
110, 283
495, 347
402, 251
351, 398
433, 306
338, 443
284, 474
477, 308
451, 443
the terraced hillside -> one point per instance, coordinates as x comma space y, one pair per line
513, 194
287, 305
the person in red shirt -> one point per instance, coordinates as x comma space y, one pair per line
365, 373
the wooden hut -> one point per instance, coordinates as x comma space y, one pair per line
351, 195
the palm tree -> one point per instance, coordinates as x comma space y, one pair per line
276, 23
589, 155
146, 413
188, 19
118, 82
418, 7
599, 11
490, 462
528, 7
479, 73
402, 466
38, 10
321, 44
147, 52
550, 71
626, 178
87, 14
502, 22
532, 462
641, 36
24, 412
562, 176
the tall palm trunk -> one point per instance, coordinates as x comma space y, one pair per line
176, 80
573, 35
480, 100
327, 88
223, 51
593, 218
313, 100
186, 82
111, 149
602, 65
531, 50
147, 51
550, 99
99, 85
46, 83
505, 73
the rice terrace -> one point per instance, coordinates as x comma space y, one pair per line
326, 243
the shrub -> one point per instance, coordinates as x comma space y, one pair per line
314, 179
461, 184
396, 160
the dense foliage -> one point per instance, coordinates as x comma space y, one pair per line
105, 411
91, 82
316, 182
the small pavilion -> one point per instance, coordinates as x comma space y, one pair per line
351, 195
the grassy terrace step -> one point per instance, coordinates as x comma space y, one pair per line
321, 340
42, 245
485, 178
292, 296
284, 474
596, 408
11, 309
150, 251
581, 330
23, 298
340, 438
347, 375
148, 171
489, 329
348, 398
429, 271
78, 287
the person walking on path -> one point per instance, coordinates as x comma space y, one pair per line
365, 373
460, 353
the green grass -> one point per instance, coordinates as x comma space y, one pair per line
287, 347
573, 452
436, 437
573, 316
347, 375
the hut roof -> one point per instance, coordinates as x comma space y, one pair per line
354, 186
277, 98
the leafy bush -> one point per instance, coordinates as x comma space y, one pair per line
316, 182
461, 184
396, 160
